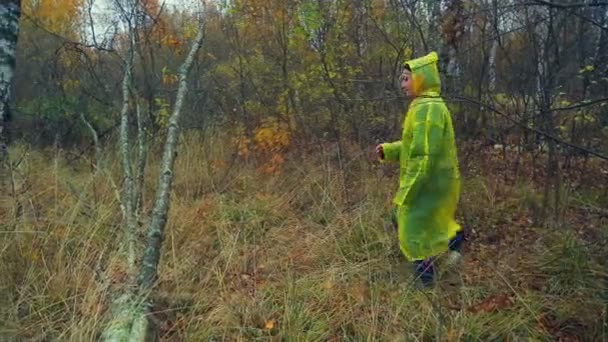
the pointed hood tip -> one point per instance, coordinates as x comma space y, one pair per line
425, 74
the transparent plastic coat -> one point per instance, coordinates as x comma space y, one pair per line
429, 182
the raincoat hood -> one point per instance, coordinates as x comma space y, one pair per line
425, 75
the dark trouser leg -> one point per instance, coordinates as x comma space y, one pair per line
455, 243
425, 271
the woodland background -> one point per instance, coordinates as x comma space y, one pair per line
278, 222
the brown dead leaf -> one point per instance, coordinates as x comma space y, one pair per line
205, 208
494, 303
270, 324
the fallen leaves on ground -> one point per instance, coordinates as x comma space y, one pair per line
494, 303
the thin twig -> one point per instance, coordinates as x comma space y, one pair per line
64, 39
574, 5
523, 125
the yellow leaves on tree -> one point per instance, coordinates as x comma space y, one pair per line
260, 19
162, 28
168, 77
190, 30
61, 17
379, 9
271, 136
173, 42
272, 139
70, 85
162, 113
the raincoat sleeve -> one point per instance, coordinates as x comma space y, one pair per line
392, 151
427, 135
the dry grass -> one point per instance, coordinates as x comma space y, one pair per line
299, 256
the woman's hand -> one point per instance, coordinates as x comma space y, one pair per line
380, 152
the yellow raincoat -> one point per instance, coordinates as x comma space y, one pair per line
429, 183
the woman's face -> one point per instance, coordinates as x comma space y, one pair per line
406, 83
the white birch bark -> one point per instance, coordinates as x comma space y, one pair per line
123, 306
493, 49
128, 183
142, 152
10, 12
161, 204
130, 322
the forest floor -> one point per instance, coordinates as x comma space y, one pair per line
307, 254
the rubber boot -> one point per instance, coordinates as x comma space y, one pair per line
425, 271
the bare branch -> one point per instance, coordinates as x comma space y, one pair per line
95, 137
571, 10
574, 5
580, 105
90, 13
64, 39
524, 126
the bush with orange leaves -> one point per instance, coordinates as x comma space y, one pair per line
271, 140
241, 143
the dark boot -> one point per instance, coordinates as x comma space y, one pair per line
425, 271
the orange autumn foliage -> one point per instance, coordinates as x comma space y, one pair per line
61, 17
272, 139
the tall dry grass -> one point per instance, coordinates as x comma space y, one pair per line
304, 255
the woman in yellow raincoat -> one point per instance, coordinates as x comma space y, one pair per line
429, 183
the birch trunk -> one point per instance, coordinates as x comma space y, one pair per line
10, 12
156, 229
142, 129
128, 184
123, 306
120, 324
142, 154
545, 82
493, 49
495, 31
492, 67
130, 321
539, 35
